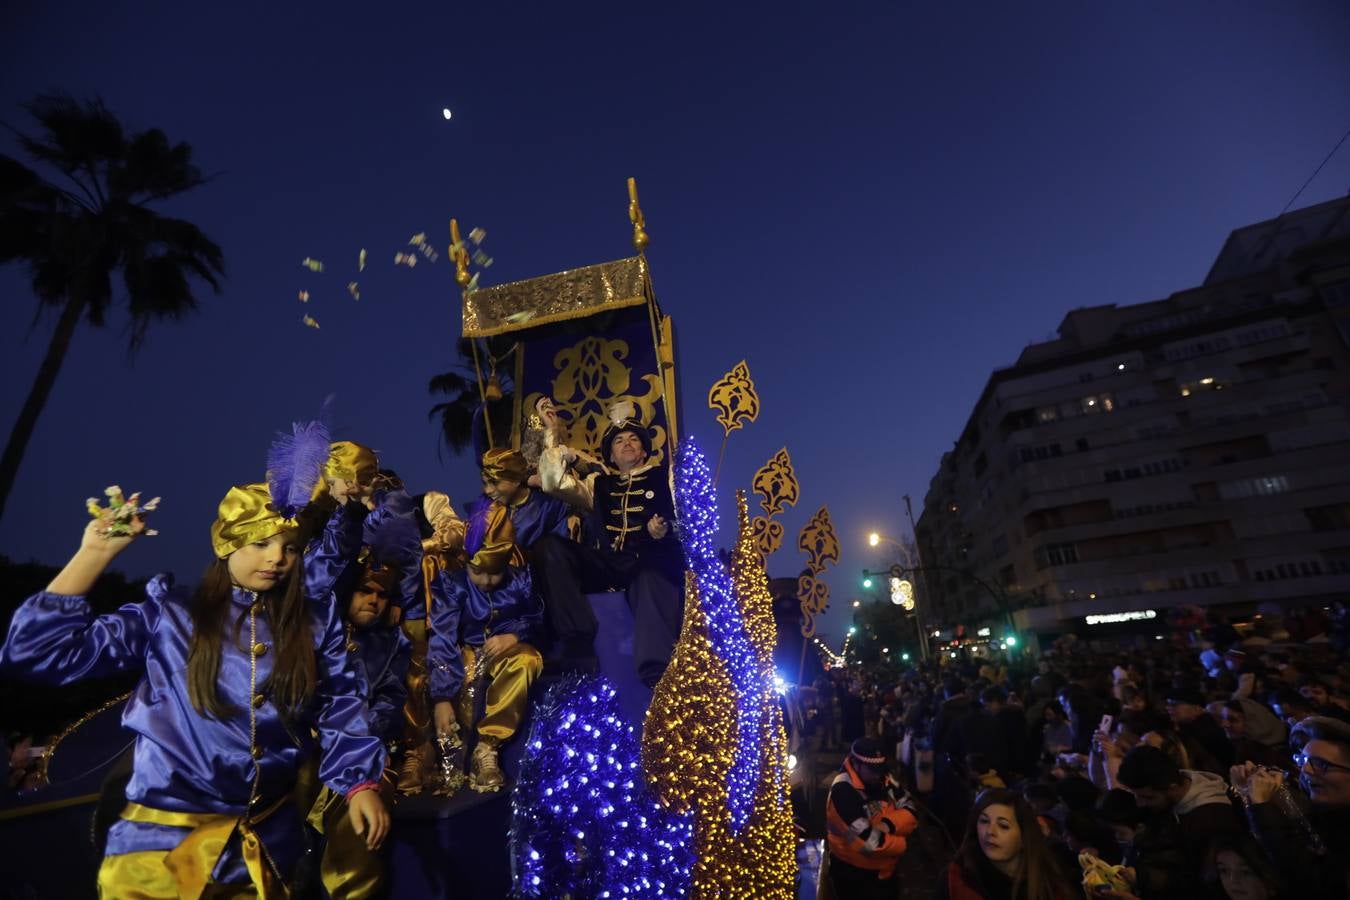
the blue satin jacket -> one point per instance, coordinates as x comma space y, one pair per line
381, 659
464, 614
539, 515
185, 761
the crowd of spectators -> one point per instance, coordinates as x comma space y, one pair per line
1214, 764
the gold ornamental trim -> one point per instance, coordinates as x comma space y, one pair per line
562, 296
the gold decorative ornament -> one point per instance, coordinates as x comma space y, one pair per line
817, 539
734, 398
461, 256
776, 484
640, 238
592, 376
690, 740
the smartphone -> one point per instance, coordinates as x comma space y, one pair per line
1105, 725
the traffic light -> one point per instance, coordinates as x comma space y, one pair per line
1011, 640
867, 583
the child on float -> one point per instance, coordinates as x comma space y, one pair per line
239, 677
379, 652
484, 619
534, 514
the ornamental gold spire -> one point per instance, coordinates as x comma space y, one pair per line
640, 238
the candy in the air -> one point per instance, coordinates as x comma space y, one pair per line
361, 260
121, 512
354, 290
477, 235
312, 264
310, 321
304, 296
405, 259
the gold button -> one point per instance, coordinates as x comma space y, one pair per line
259, 649
258, 700
257, 752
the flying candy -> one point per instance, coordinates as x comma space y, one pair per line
481, 259
418, 239
353, 290
304, 296
361, 261
405, 259
313, 265
472, 285
477, 235
429, 253
309, 320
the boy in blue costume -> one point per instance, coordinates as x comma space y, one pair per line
484, 619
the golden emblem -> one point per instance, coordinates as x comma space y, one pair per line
734, 398
776, 484
592, 376
818, 541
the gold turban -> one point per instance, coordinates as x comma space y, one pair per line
245, 515
504, 465
350, 461
495, 547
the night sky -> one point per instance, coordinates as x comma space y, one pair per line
874, 207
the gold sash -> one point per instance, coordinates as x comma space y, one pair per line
193, 860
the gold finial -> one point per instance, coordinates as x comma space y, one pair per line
640, 238
460, 254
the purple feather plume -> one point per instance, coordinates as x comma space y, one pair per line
294, 465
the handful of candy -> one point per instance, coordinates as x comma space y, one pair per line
1098, 875
124, 510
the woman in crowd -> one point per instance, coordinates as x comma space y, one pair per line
1004, 855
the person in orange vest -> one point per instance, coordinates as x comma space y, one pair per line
867, 824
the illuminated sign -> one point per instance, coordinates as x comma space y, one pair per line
983, 632
1109, 618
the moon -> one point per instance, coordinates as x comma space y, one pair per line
446, 113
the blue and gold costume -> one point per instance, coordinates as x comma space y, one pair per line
210, 800
533, 517
464, 616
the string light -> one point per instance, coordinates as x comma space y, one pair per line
713, 742
583, 823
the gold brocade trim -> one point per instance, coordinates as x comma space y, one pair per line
71, 728
570, 294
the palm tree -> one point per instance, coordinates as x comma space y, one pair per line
96, 220
457, 415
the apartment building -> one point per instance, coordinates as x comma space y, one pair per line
1191, 450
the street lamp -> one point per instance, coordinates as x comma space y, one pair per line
873, 539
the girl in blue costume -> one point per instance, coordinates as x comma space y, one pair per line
237, 678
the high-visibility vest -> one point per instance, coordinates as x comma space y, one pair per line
847, 846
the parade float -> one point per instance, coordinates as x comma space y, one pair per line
613, 790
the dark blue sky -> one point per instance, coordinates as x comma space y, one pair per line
875, 204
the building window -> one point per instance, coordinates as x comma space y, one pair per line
1061, 554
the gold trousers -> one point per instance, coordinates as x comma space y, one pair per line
417, 710
185, 871
509, 679
349, 869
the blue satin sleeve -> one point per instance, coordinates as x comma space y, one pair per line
57, 639
389, 692
329, 555
391, 529
349, 754
444, 661
520, 609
